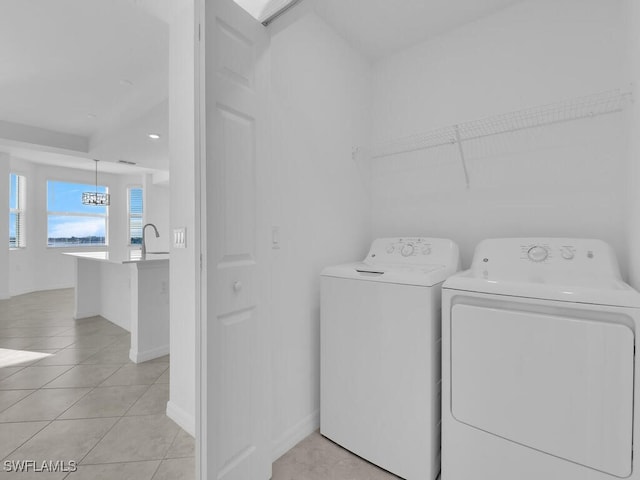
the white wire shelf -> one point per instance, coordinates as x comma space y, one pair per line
574, 109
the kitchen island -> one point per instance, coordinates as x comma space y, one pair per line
130, 291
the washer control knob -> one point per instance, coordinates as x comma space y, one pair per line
391, 249
407, 250
567, 253
426, 250
538, 254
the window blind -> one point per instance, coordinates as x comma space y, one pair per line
17, 218
136, 210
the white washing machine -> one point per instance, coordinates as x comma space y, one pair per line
539, 381
380, 354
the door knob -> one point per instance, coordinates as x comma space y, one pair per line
237, 286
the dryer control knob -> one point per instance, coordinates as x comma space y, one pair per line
538, 254
407, 250
567, 253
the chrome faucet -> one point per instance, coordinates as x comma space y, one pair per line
144, 243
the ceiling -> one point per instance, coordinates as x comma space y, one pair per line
85, 69
263, 9
78, 163
381, 27
84, 79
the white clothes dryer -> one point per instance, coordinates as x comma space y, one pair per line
380, 354
539, 368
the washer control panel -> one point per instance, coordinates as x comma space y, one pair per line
412, 251
538, 253
408, 247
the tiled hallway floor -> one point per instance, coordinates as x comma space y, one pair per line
68, 391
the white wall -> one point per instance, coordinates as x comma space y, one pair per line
4, 227
183, 272
632, 8
565, 180
320, 107
21, 275
38, 267
156, 211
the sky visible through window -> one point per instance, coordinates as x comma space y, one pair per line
70, 222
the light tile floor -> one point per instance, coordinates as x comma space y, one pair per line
83, 399
316, 458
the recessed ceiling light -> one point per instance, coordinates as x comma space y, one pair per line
154, 136
126, 83
91, 115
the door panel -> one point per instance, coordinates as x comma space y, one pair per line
237, 372
237, 168
560, 385
235, 54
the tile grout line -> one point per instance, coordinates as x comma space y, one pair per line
102, 438
14, 403
66, 330
48, 422
74, 403
38, 388
164, 457
138, 399
19, 370
118, 463
157, 469
115, 423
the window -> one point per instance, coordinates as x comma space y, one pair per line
135, 209
69, 222
17, 202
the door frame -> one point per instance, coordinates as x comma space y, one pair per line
201, 237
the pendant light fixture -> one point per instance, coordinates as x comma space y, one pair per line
94, 198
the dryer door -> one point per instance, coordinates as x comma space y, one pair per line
560, 385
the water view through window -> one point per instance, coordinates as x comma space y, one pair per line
69, 222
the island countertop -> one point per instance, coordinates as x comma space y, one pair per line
133, 256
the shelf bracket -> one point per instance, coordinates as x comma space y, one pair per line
461, 151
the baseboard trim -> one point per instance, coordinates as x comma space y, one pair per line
139, 357
292, 436
184, 420
17, 293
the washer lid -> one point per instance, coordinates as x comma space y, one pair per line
421, 275
570, 270
417, 261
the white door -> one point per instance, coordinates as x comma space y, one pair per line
560, 385
235, 378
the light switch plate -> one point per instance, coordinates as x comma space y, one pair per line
180, 238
